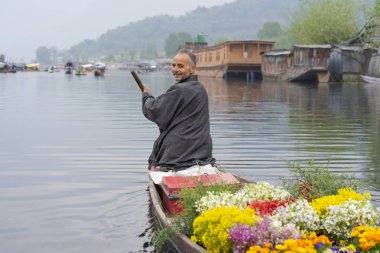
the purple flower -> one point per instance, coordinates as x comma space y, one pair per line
260, 234
319, 245
241, 235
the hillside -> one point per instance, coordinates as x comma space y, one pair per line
238, 20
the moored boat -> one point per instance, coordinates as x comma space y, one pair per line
69, 67
370, 79
180, 242
165, 200
100, 69
258, 210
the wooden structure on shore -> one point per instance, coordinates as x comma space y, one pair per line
240, 59
304, 63
275, 64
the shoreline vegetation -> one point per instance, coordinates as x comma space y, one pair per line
314, 210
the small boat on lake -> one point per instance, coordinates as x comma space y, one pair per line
80, 71
370, 79
69, 68
100, 69
52, 69
180, 242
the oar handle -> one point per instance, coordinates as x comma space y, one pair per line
138, 81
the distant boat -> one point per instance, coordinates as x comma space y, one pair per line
100, 69
80, 71
52, 69
370, 79
32, 67
69, 67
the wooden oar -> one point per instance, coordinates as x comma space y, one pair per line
138, 81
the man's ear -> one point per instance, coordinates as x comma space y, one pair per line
193, 67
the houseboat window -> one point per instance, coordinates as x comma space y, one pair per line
281, 58
265, 47
271, 59
210, 57
218, 56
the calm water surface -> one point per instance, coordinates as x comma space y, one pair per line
73, 150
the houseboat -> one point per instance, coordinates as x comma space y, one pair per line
232, 59
310, 63
275, 64
303, 63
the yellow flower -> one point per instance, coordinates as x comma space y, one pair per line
211, 227
281, 247
351, 247
322, 239
320, 204
367, 196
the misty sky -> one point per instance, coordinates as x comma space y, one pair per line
28, 24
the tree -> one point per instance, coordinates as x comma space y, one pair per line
270, 30
273, 31
220, 40
174, 41
326, 21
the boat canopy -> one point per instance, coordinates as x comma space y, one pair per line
32, 65
100, 65
86, 66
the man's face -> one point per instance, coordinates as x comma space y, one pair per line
181, 67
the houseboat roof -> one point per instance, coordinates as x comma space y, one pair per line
235, 42
350, 48
32, 65
277, 52
325, 46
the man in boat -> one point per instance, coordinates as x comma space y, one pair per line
182, 116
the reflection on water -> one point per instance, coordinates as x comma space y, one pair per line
261, 125
73, 150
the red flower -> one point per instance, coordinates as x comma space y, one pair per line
266, 207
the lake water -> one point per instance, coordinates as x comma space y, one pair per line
73, 150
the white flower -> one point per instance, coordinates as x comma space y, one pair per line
299, 213
249, 193
341, 219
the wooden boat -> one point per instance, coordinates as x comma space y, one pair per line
100, 69
165, 198
370, 79
69, 68
80, 71
99, 72
230, 59
180, 242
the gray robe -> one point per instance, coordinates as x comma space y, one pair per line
182, 115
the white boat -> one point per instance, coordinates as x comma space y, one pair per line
370, 79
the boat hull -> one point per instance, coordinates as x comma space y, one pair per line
370, 79
180, 242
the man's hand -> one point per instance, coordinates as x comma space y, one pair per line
147, 89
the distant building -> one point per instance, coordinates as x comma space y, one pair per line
240, 59
2, 58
